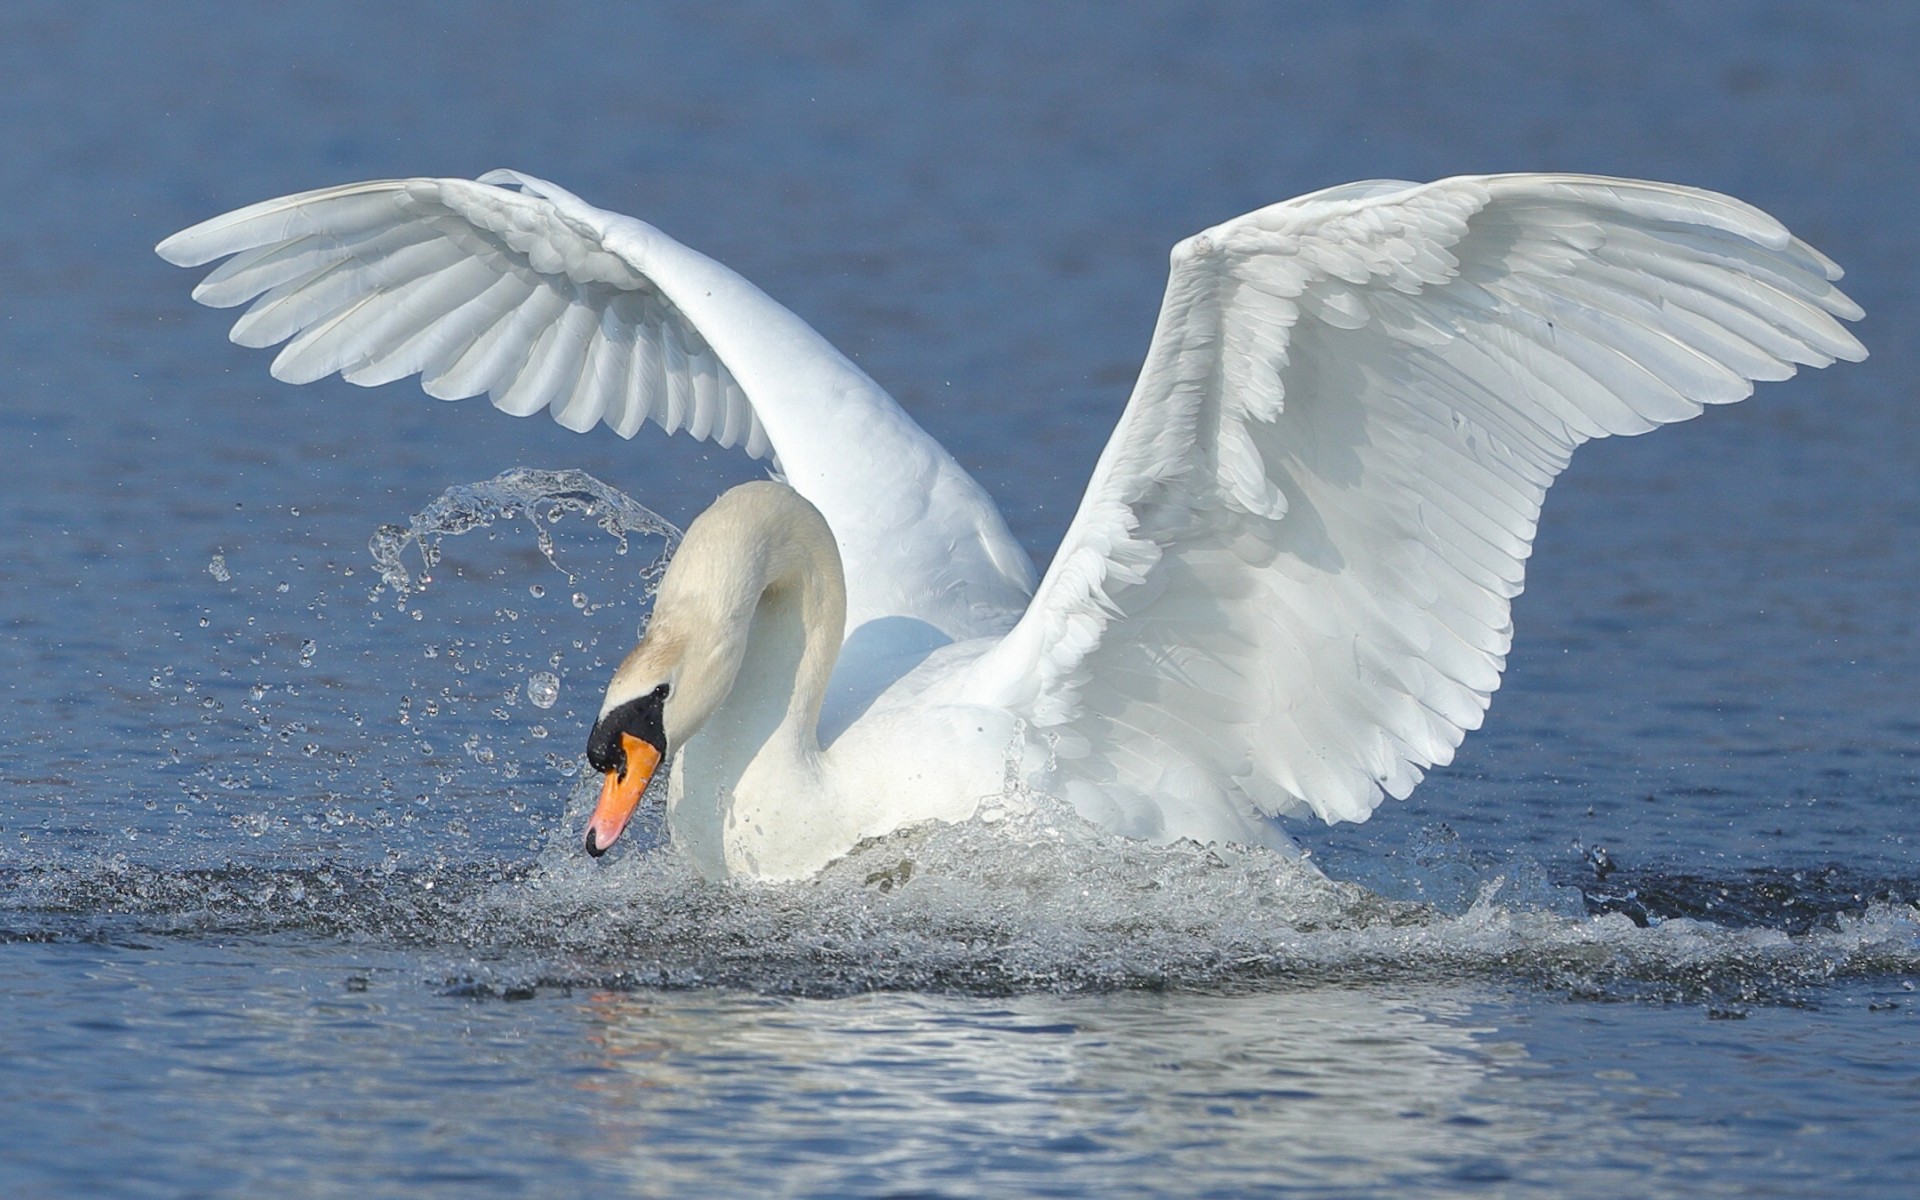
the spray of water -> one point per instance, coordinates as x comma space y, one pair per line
541, 499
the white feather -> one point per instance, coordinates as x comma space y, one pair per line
513, 287
1440, 351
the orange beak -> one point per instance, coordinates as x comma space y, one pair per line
620, 794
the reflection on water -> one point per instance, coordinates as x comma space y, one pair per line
278, 1051
1324, 1088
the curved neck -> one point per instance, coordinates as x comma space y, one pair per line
754, 607
756, 601
800, 571
789, 628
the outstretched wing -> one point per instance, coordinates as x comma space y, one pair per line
513, 287
1288, 586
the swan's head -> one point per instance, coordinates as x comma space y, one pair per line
662, 692
757, 540
626, 746
657, 699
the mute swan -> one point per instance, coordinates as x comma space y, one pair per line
1285, 592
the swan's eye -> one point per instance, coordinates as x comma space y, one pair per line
642, 717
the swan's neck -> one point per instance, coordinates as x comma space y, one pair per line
769, 575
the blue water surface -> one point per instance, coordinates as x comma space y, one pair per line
288, 897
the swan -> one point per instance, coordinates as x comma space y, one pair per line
1285, 592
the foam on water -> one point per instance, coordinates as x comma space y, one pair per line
435, 821
1035, 901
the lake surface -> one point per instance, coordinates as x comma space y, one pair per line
289, 896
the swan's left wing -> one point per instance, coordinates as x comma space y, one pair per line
513, 287
1288, 586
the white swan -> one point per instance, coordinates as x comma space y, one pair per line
1286, 590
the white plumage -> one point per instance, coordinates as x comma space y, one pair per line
1287, 588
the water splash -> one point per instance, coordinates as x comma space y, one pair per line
543, 689
318, 714
542, 498
1037, 901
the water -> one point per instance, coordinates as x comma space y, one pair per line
289, 896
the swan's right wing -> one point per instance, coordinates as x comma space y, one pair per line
1288, 586
513, 287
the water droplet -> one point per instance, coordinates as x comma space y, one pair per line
580, 600
537, 591
217, 567
283, 587
543, 688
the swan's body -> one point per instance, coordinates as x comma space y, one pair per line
1287, 588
